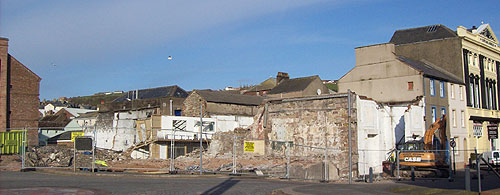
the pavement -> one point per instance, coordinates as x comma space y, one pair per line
51, 181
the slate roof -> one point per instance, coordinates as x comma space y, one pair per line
56, 120
265, 85
88, 115
419, 34
169, 91
431, 71
76, 111
229, 98
291, 85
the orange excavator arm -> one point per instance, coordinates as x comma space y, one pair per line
439, 125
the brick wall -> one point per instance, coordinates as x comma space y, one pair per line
4, 43
24, 99
19, 93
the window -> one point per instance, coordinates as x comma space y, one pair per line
470, 59
478, 129
431, 87
441, 89
454, 117
476, 92
452, 91
433, 114
410, 86
471, 88
490, 98
462, 120
443, 111
461, 93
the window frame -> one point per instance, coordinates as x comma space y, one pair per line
462, 121
441, 89
432, 87
454, 117
452, 91
433, 114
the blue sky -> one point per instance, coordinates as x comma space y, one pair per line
84, 47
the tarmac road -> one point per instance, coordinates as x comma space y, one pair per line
69, 183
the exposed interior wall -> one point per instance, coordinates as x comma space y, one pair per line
117, 131
381, 126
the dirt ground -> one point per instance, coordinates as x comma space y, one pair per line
10, 163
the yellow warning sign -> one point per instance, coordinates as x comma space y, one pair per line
249, 147
75, 134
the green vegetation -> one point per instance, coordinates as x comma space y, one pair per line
332, 86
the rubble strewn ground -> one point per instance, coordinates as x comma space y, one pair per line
62, 156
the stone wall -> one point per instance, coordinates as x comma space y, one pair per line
314, 122
191, 107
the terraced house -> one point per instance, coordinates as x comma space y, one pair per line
473, 55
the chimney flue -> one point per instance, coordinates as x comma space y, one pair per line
281, 77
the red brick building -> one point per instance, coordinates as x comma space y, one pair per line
19, 95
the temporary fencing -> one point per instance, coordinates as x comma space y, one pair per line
234, 152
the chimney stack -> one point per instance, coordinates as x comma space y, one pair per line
281, 77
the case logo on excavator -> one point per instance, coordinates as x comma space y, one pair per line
413, 159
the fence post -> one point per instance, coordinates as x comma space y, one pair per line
349, 132
93, 149
451, 175
234, 154
201, 139
74, 156
287, 159
397, 163
23, 150
172, 151
326, 164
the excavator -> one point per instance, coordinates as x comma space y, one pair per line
428, 153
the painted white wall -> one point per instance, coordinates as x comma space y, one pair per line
378, 126
457, 101
122, 134
227, 123
191, 130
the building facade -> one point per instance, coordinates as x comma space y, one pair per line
481, 62
19, 95
474, 56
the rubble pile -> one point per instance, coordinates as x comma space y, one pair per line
62, 156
